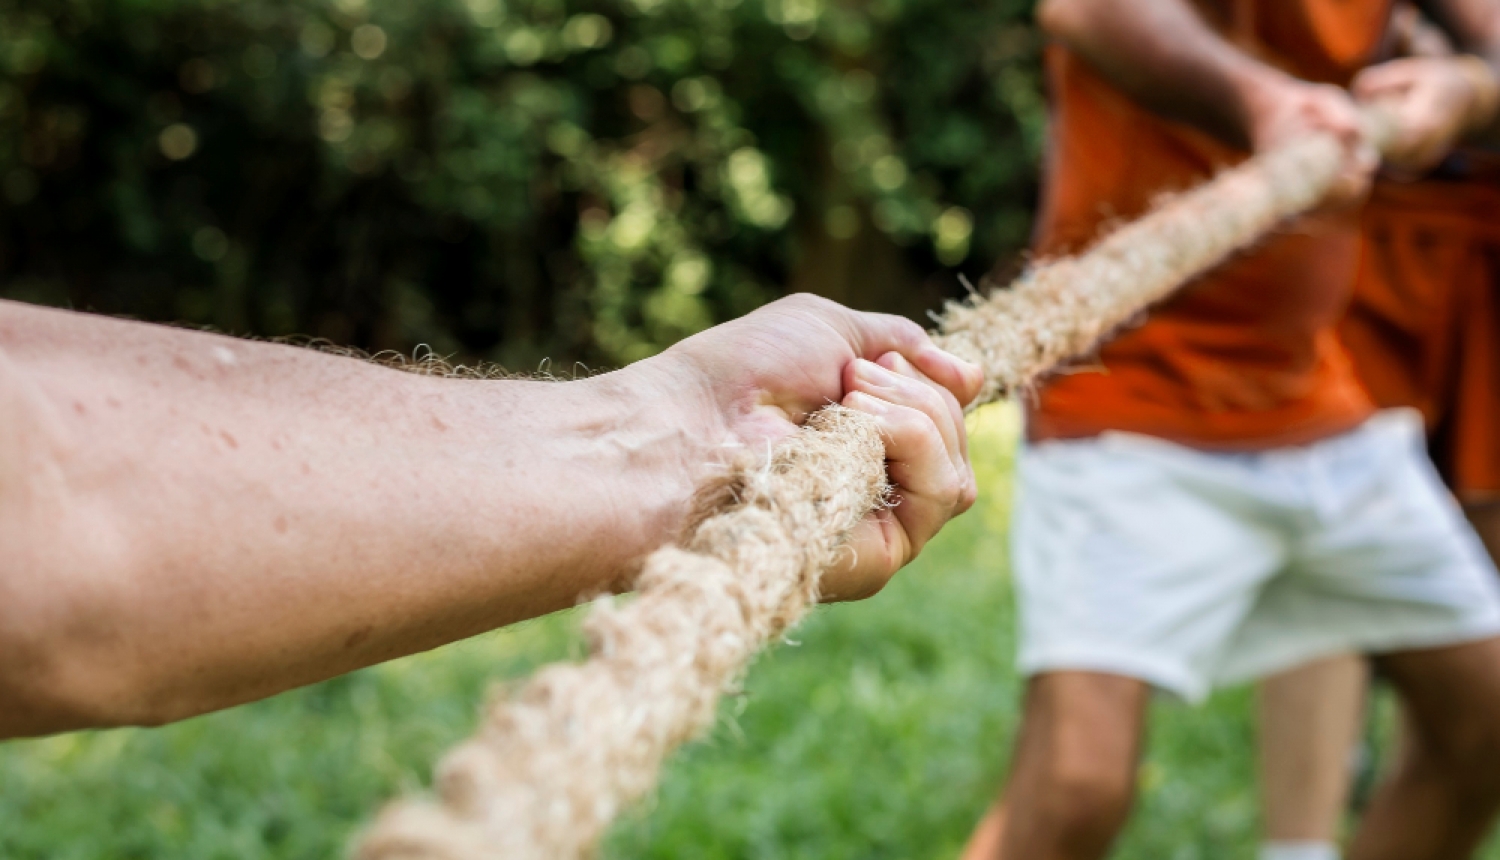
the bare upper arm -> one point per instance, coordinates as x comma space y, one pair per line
1473, 24
1057, 18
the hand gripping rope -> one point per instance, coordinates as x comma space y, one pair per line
552, 764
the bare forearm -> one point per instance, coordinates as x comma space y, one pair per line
1165, 56
1475, 27
191, 521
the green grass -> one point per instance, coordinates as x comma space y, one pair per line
880, 732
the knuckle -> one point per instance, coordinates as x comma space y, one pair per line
923, 430
968, 494
957, 484
928, 395
953, 409
904, 419
910, 329
905, 333
810, 302
915, 432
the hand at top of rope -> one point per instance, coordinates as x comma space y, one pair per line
1434, 102
754, 380
1284, 110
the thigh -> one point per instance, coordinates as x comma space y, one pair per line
1451, 695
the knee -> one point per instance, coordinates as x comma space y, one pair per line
1076, 760
1088, 799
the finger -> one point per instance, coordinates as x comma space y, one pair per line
869, 335
954, 412
1364, 160
902, 451
1423, 142
872, 335
1366, 83
961, 377
1349, 189
893, 388
931, 487
876, 549
1355, 178
929, 493
1383, 90
1335, 111
1413, 152
1381, 79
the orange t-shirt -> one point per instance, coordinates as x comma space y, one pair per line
1424, 327
1246, 356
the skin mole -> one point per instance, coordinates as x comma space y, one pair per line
358, 636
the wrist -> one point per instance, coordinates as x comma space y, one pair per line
1264, 93
598, 472
665, 436
1484, 89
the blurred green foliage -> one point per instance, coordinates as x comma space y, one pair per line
507, 179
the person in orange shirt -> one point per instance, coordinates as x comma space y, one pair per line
1424, 326
1424, 332
1225, 501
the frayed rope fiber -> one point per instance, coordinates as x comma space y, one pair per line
556, 761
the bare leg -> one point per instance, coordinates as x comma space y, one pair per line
1310, 719
1073, 779
1485, 517
1445, 790
984, 842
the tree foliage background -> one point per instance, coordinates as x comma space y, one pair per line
508, 179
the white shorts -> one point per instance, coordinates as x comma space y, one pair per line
1190, 569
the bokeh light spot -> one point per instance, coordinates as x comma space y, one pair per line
178, 141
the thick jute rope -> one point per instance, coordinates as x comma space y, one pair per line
554, 762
